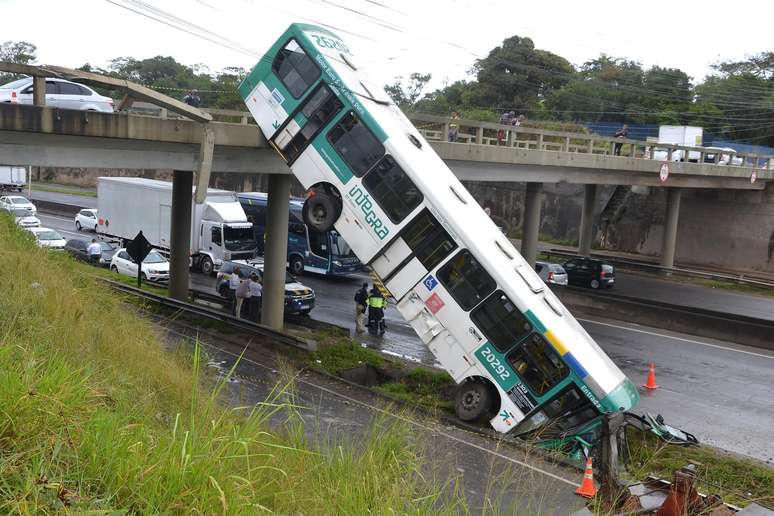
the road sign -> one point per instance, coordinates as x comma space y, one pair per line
138, 249
663, 173
753, 176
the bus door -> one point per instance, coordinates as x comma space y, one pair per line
309, 118
318, 255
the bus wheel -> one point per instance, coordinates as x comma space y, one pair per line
321, 210
474, 399
296, 265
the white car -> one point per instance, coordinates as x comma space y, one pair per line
551, 273
86, 219
11, 202
24, 218
154, 268
59, 93
48, 238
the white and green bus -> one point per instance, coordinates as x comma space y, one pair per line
520, 358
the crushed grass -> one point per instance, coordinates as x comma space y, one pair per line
97, 417
430, 389
337, 353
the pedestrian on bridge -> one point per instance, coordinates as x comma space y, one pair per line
623, 132
192, 98
454, 126
361, 301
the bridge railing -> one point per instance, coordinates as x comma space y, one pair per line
436, 128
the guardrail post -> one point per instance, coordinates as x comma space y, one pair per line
566, 144
652, 152
591, 146
540, 141
510, 138
445, 135
632, 150
585, 235
180, 234
669, 241
479, 135
669, 154
276, 252
531, 222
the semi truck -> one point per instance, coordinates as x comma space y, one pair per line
219, 228
12, 178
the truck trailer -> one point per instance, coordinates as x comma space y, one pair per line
12, 178
219, 228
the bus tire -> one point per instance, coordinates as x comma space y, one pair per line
473, 400
205, 265
321, 210
296, 265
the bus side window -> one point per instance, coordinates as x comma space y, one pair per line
320, 108
466, 280
295, 68
395, 192
538, 364
430, 243
501, 321
356, 144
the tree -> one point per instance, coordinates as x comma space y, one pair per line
406, 96
20, 52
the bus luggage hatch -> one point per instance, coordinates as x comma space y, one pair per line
441, 342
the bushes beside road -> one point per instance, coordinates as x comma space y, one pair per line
96, 416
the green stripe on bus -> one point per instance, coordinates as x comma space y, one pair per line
536, 324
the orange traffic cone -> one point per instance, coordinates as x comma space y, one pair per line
587, 488
651, 383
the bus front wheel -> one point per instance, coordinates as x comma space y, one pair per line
321, 210
474, 400
296, 265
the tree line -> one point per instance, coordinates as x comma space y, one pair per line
735, 102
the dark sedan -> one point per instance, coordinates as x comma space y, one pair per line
78, 248
589, 272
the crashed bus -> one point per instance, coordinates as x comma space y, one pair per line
520, 358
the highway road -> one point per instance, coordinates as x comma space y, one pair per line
720, 391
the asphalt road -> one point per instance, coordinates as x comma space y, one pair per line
721, 392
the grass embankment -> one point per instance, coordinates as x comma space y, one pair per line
96, 417
63, 189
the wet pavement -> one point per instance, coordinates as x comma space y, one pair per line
721, 392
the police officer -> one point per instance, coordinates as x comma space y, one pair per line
376, 304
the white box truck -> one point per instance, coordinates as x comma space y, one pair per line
12, 178
687, 135
219, 227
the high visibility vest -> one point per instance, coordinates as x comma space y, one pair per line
376, 302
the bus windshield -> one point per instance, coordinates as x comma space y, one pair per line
339, 247
238, 239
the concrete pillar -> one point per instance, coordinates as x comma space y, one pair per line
585, 235
531, 223
669, 240
39, 91
275, 251
180, 234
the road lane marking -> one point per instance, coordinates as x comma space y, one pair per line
655, 334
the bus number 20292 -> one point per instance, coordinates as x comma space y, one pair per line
495, 363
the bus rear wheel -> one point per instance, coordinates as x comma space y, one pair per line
321, 210
474, 400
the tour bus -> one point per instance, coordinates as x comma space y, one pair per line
308, 251
520, 358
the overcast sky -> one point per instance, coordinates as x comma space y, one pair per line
395, 37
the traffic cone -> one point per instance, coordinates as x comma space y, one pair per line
587, 488
651, 383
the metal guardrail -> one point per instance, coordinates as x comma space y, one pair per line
655, 268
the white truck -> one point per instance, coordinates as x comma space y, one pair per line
687, 135
219, 228
12, 178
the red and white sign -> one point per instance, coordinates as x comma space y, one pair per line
434, 303
663, 173
753, 176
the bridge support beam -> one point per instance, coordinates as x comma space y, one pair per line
180, 234
669, 241
531, 223
275, 252
586, 236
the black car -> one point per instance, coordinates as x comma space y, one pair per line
299, 299
589, 272
78, 248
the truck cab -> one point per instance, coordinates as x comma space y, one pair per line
224, 234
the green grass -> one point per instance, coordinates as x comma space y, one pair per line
430, 389
63, 189
736, 287
95, 416
737, 480
338, 353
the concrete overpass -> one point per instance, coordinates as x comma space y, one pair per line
165, 133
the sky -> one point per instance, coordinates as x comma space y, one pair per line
392, 38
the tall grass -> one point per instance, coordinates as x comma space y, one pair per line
94, 415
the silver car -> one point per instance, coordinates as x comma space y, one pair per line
59, 93
551, 273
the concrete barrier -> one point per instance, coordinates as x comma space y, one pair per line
57, 208
700, 322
